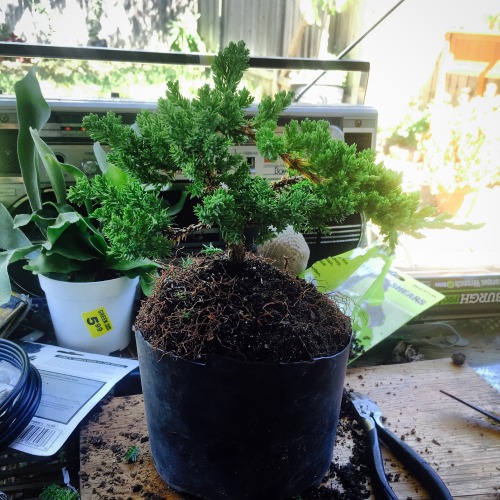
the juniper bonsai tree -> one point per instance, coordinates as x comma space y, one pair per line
327, 179
217, 310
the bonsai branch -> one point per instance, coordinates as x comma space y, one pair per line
299, 165
236, 253
285, 182
179, 234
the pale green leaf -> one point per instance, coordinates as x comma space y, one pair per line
51, 164
6, 258
101, 157
11, 237
32, 112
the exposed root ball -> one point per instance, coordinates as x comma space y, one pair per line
254, 312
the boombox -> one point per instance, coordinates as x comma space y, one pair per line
354, 124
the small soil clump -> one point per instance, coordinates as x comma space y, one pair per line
252, 312
458, 358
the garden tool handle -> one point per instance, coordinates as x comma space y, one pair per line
378, 464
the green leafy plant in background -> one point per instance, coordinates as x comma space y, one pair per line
103, 227
494, 21
460, 149
408, 133
183, 34
55, 492
5, 31
453, 146
94, 79
94, 13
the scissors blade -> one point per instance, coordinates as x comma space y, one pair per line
371, 415
365, 407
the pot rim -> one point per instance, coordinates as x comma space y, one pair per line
212, 359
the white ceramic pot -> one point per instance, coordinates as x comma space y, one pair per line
92, 317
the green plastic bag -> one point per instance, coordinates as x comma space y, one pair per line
378, 299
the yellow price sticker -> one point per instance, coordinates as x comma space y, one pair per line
97, 322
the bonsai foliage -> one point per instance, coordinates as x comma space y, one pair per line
327, 180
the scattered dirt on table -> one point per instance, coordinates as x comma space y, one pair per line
348, 478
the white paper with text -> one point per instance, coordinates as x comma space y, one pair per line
73, 382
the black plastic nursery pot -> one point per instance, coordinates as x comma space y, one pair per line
228, 429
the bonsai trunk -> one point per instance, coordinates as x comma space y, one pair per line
236, 253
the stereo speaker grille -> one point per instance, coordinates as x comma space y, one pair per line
9, 165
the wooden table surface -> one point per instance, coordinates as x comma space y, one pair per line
461, 444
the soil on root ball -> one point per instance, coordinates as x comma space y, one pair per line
253, 312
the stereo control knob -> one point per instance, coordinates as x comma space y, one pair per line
90, 167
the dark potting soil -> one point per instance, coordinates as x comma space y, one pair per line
253, 312
348, 480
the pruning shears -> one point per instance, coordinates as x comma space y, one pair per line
371, 418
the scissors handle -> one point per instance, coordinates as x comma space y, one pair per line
378, 463
418, 467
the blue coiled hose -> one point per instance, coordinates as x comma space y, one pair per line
19, 407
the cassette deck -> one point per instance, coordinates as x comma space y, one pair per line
355, 124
